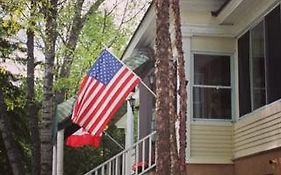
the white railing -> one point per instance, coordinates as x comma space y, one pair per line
135, 160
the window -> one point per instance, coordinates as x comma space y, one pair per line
212, 87
259, 61
257, 74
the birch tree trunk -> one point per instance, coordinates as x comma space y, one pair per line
163, 159
182, 86
32, 110
13, 152
48, 102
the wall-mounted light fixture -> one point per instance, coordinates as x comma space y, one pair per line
151, 78
132, 102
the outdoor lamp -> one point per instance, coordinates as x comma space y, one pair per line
132, 103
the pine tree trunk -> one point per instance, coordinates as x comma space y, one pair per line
48, 102
182, 86
32, 110
13, 152
163, 159
175, 168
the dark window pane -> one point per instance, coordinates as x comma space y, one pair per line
244, 75
257, 66
211, 70
273, 55
211, 103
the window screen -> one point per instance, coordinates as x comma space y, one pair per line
273, 55
211, 89
244, 74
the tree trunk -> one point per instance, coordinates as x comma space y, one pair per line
182, 86
48, 102
76, 28
70, 48
163, 159
32, 110
13, 152
175, 168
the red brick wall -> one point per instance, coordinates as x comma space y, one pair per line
266, 163
260, 164
203, 169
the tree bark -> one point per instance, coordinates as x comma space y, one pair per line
163, 159
32, 110
175, 168
182, 86
13, 152
76, 28
48, 102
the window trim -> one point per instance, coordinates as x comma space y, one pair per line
231, 87
251, 61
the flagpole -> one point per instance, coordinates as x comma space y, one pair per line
131, 71
112, 139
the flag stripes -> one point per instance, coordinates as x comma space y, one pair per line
82, 138
113, 109
95, 100
97, 103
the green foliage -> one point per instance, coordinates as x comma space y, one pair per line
98, 32
15, 99
12, 10
13, 96
6, 46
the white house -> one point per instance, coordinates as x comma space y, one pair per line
233, 64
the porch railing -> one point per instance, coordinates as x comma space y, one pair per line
135, 160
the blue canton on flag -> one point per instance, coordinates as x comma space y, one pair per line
105, 68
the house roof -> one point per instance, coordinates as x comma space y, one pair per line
64, 109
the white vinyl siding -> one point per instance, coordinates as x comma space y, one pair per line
211, 143
260, 131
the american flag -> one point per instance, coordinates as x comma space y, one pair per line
103, 91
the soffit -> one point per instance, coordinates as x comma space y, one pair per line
202, 5
239, 10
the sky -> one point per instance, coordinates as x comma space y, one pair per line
108, 5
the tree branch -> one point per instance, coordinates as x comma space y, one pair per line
92, 10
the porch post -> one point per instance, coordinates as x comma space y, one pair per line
129, 137
60, 146
54, 168
130, 125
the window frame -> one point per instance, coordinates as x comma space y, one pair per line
231, 87
251, 63
249, 28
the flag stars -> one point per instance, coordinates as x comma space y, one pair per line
105, 68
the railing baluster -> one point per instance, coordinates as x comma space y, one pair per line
143, 154
102, 170
109, 168
123, 164
137, 158
149, 151
116, 166
120, 165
